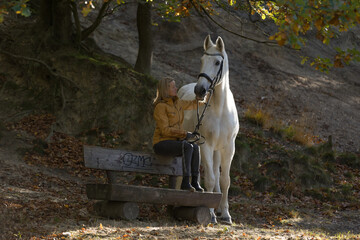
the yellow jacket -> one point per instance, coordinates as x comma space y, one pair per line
169, 116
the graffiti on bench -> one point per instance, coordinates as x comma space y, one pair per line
131, 160
120, 160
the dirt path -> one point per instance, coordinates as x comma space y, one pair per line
50, 203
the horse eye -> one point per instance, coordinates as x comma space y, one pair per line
217, 63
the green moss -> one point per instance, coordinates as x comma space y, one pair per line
322, 194
2, 128
262, 183
323, 150
346, 189
328, 157
312, 150
28, 105
349, 159
154, 181
330, 167
11, 85
235, 190
259, 133
289, 132
96, 59
139, 177
349, 175
302, 160
305, 179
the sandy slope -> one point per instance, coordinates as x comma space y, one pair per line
265, 76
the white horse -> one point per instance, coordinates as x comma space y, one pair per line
220, 124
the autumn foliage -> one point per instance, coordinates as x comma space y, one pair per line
294, 19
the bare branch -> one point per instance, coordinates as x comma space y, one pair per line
197, 10
116, 7
77, 21
86, 32
111, 11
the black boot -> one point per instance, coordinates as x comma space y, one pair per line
195, 184
185, 184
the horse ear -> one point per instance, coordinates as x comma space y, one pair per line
220, 44
208, 43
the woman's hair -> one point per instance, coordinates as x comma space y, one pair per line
162, 90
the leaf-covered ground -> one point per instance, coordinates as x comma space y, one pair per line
42, 194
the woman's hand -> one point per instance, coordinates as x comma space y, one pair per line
204, 99
192, 137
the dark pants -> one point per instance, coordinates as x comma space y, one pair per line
189, 152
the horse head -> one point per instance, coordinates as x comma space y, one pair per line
212, 66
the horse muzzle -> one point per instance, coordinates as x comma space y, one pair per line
200, 92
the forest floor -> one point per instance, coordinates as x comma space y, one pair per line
42, 196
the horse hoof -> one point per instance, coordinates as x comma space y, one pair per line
213, 220
226, 220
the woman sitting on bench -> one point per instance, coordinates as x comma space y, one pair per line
169, 137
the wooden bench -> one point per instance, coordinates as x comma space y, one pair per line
121, 200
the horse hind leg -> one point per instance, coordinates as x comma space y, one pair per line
224, 204
226, 160
207, 155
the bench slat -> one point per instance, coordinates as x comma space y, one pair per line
128, 161
131, 193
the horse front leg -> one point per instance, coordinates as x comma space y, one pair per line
216, 168
226, 159
209, 177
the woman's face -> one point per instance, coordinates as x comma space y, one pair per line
172, 89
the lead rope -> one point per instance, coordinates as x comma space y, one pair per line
203, 112
200, 117
211, 91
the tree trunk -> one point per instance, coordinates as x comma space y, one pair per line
45, 16
62, 27
55, 15
144, 25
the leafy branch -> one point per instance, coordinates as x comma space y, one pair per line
228, 30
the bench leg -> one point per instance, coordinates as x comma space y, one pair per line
175, 182
115, 210
200, 215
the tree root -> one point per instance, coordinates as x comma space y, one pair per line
16, 115
62, 79
56, 75
3, 87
